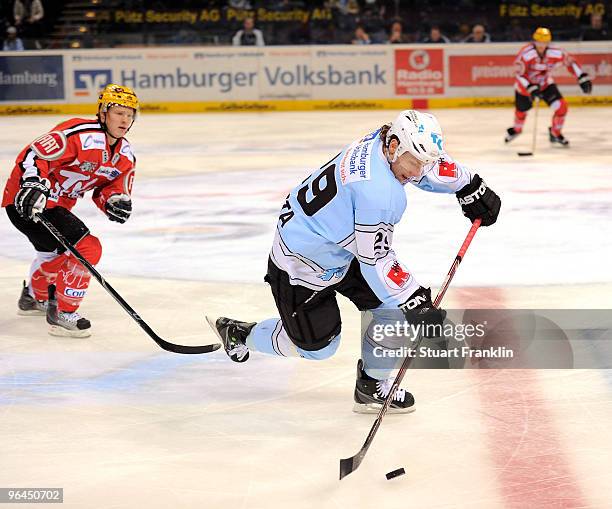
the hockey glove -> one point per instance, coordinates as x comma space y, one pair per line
585, 83
479, 201
419, 309
534, 91
118, 207
32, 197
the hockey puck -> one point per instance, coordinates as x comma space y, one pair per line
395, 473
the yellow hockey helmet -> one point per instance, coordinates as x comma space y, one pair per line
542, 35
117, 95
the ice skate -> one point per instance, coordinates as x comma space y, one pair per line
511, 134
560, 139
370, 395
232, 334
64, 323
28, 305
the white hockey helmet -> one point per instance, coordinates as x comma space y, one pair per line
418, 133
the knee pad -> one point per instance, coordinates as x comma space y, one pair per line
323, 353
91, 249
559, 107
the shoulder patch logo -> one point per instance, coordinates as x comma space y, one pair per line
447, 169
50, 146
396, 275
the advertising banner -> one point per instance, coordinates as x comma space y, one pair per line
499, 70
284, 78
31, 78
218, 74
419, 72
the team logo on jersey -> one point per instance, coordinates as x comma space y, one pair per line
92, 141
447, 169
115, 159
87, 166
329, 274
355, 164
396, 276
50, 146
109, 172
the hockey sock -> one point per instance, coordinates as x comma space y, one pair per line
383, 342
73, 278
43, 272
560, 108
519, 120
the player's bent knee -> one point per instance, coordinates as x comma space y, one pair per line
559, 107
91, 248
323, 353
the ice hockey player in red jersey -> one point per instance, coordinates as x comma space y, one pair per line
535, 62
75, 157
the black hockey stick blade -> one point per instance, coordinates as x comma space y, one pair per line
162, 343
524, 153
349, 465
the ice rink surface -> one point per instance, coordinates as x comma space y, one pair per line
118, 423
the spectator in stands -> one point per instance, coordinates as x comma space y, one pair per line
28, 11
396, 34
361, 36
249, 35
12, 42
478, 35
28, 16
436, 36
596, 31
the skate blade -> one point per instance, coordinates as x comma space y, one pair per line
31, 312
56, 330
374, 408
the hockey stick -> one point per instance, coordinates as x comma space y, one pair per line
348, 465
166, 345
535, 130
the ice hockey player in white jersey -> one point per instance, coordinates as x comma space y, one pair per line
335, 234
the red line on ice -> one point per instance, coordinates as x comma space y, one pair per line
532, 464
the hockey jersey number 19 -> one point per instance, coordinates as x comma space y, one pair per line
349, 208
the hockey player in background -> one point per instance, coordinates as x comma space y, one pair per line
75, 157
535, 63
335, 234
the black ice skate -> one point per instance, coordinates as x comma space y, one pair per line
28, 305
232, 334
64, 323
511, 134
561, 140
370, 395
